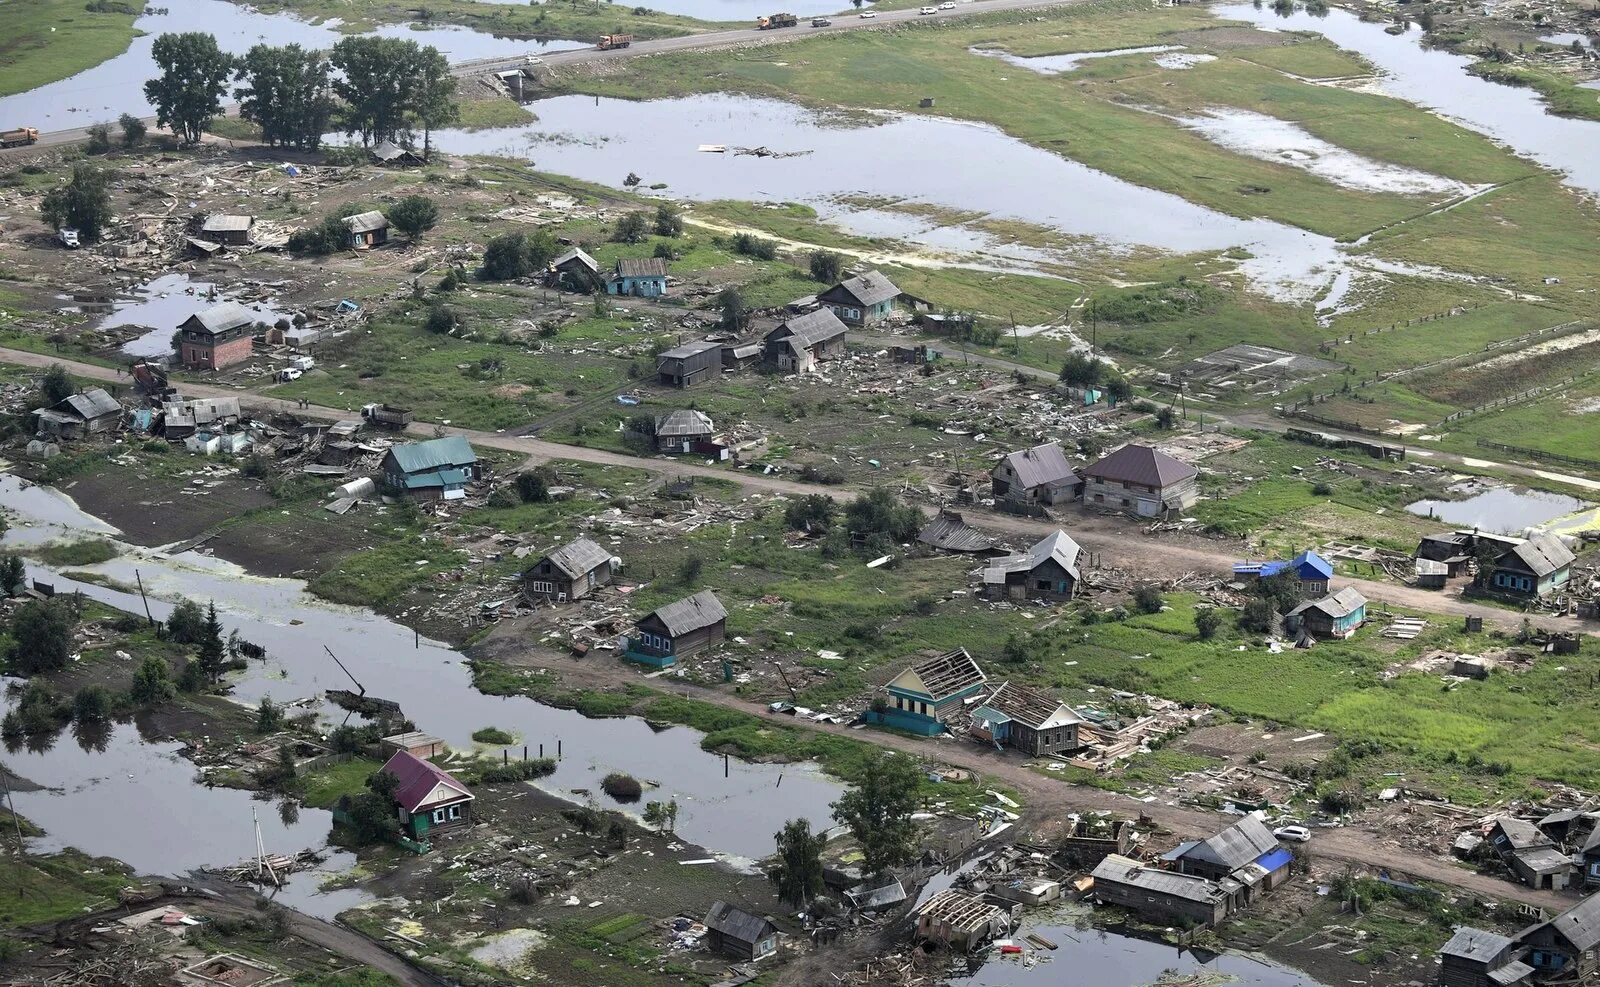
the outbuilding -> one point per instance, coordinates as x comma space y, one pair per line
574, 270
737, 933
961, 920
677, 630
684, 431
1338, 615
694, 363
88, 413
228, 228
800, 342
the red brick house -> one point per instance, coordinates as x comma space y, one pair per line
217, 337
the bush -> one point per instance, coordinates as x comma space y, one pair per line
879, 513
97, 138
1322, 488
1147, 599
152, 682
413, 215
1258, 617
826, 266
754, 246
1207, 622
631, 228
91, 704
827, 475
516, 255
622, 787
669, 220
41, 637
493, 736
516, 771
813, 512
504, 496
533, 487
441, 319
326, 237
133, 130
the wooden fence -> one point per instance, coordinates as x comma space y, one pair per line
1540, 454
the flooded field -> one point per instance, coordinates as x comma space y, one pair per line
1505, 510
1057, 64
160, 306
1438, 80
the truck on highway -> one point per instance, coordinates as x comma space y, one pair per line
776, 20
388, 417
610, 41
19, 137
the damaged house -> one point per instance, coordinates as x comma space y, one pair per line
690, 364
574, 270
181, 419
1040, 476
686, 431
367, 229
1046, 571
923, 696
1564, 950
1245, 859
799, 343
1530, 853
950, 531
737, 933
571, 572
1141, 481
862, 300
1457, 549
961, 920
438, 469
90, 413
1161, 894
1339, 615
1534, 568
217, 337
1026, 720
677, 630
642, 277
227, 229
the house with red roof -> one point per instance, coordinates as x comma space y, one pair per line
427, 797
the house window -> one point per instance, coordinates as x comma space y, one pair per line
455, 812
1042, 584
543, 586
438, 815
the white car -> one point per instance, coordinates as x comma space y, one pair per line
948, 5
868, 13
1293, 834
288, 374
68, 238
928, 10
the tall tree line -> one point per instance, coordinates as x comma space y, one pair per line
380, 88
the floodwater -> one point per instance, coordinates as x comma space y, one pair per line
1057, 64
1504, 510
161, 305
1437, 80
886, 156
735, 816
116, 86
1566, 38
1285, 142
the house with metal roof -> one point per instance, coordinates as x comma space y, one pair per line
1040, 475
1027, 720
684, 431
574, 270
217, 337
699, 362
737, 933
1530, 853
438, 469
677, 630
1336, 615
1565, 949
644, 277
800, 342
1311, 571
570, 572
1245, 854
1535, 568
1475, 958
1140, 480
227, 228
88, 413
862, 300
1163, 894
427, 797
929, 692
1456, 549
1048, 570
367, 229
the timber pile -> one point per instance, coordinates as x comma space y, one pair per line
369, 706
270, 869
127, 964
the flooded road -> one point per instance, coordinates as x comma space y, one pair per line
1438, 80
735, 816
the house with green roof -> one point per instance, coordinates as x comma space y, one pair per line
438, 469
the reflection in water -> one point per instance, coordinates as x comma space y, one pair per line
1504, 510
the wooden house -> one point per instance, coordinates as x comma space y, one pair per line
1589, 859
1567, 947
89, 413
1475, 958
862, 300
569, 573
414, 742
1046, 571
737, 933
217, 337
961, 920
1245, 854
927, 693
427, 797
694, 363
1338, 615
800, 342
367, 229
1534, 568
1163, 895
643, 277
1457, 549
1312, 571
438, 469
574, 270
1141, 481
1040, 475
1026, 720
684, 431
228, 229
676, 630
1530, 853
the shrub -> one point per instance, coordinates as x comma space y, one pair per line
441, 319
1207, 622
493, 736
826, 266
1322, 488
326, 237
813, 512
622, 787
631, 228
1258, 617
413, 215
1147, 598
669, 220
516, 771
91, 704
533, 487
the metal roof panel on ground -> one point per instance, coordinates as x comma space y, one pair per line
953, 534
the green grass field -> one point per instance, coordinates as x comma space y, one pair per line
49, 40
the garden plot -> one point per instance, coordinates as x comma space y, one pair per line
1252, 367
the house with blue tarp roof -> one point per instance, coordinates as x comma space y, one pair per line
438, 469
1245, 859
1312, 570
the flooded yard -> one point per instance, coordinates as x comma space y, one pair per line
1504, 510
160, 306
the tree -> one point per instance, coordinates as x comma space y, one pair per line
441, 319
533, 487
374, 84
213, 654
1259, 617
1118, 389
41, 637
878, 812
186, 623
1078, 370
735, 314
669, 220
288, 94
269, 715
1164, 418
1281, 589
662, 815
826, 266
433, 98
414, 215
152, 682
13, 575
1207, 622
1484, 556
133, 130
631, 228
878, 513
56, 386
194, 76
813, 512
83, 203
330, 235
91, 704
1147, 598
798, 873
97, 138
516, 255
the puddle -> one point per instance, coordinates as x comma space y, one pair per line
1284, 142
1437, 80
735, 816
1504, 510
1057, 64
116, 86
1566, 39
509, 950
38, 515
161, 305
1183, 60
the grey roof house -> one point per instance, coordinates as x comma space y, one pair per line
1140, 480
367, 229
1537, 567
676, 630
233, 230
693, 363
88, 413
1163, 894
570, 572
737, 933
681, 431
861, 300
1048, 570
1040, 475
799, 343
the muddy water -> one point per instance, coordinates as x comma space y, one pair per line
1506, 510
1437, 80
736, 815
116, 86
162, 304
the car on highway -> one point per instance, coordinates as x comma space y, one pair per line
1293, 834
948, 5
868, 13
820, 22
928, 10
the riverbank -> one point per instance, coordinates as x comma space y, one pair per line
49, 40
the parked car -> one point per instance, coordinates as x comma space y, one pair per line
928, 10
68, 238
948, 5
820, 22
1293, 834
289, 373
868, 13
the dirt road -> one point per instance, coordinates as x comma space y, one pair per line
1120, 539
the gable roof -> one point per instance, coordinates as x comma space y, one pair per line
1335, 605
688, 350
367, 222
1043, 465
1313, 561
578, 557
1475, 944
219, 318
952, 533
1522, 834
576, 254
866, 289
805, 331
1143, 465
691, 613
1058, 546
1031, 707
641, 267
1240, 844
221, 222
417, 780
390, 151
684, 423
1117, 869
92, 403
943, 675
1580, 924
1541, 555
415, 457
738, 924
